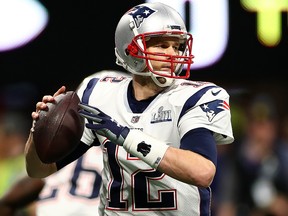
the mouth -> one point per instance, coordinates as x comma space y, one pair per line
166, 71
166, 68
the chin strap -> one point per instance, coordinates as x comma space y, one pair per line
168, 82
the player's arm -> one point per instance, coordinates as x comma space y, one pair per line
195, 161
184, 165
21, 194
34, 166
194, 169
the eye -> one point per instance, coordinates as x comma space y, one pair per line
176, 48
161, 45
182, 47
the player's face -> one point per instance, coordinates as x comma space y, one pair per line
168, 46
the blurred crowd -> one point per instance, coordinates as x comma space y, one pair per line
252, 174
15, 122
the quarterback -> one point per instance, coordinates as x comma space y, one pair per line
158, 130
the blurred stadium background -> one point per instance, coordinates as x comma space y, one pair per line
77, 39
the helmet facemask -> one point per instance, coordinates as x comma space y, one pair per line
138, 49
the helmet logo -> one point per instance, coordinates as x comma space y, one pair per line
140, 13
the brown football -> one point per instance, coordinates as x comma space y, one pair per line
59, 128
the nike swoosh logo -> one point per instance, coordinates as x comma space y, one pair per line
216, 93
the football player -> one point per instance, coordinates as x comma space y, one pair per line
158, 130
72, 190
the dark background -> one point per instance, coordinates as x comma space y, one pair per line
79, 40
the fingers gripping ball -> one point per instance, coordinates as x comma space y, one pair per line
59, 128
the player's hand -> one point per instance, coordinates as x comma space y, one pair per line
135, 142
103, 124
42, 105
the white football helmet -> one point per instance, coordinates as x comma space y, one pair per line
141, 23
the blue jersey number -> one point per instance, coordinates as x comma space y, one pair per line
140, 190
75, 182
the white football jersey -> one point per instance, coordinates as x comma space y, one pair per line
73, 190
130, 186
